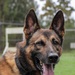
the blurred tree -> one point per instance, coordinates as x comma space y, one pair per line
1, 13
15, 10
51, 7
12, 11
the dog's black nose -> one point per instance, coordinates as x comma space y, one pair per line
53, 58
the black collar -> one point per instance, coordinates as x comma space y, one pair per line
22, 64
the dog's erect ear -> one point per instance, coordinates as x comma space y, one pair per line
31, 24
58, 23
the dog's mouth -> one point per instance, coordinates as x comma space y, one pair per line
45, 69
48, 69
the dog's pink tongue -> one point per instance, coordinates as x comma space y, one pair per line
48, 70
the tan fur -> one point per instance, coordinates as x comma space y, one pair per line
8, 65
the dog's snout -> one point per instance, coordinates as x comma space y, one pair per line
53, 58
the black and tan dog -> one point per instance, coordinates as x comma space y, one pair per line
41, 51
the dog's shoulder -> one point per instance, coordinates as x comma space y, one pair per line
8, 57
7, 64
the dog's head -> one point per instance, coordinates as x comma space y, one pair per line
43, 46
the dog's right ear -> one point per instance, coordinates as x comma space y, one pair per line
31, 24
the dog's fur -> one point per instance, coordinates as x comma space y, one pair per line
43, 45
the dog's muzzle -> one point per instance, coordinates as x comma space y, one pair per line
45, 63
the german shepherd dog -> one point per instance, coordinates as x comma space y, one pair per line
40, 52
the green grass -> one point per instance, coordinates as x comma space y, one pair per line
66, 65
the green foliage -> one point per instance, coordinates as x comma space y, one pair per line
51, 7
15, 10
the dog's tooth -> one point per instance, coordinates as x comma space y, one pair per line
41, 63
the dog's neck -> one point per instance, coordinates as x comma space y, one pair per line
22, 64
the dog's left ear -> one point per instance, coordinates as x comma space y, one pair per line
31, 24
58, 23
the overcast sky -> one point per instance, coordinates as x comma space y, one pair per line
73, 5
41, 3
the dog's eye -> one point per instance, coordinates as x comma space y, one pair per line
40, 43
55, 42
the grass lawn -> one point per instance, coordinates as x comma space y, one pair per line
66, 65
